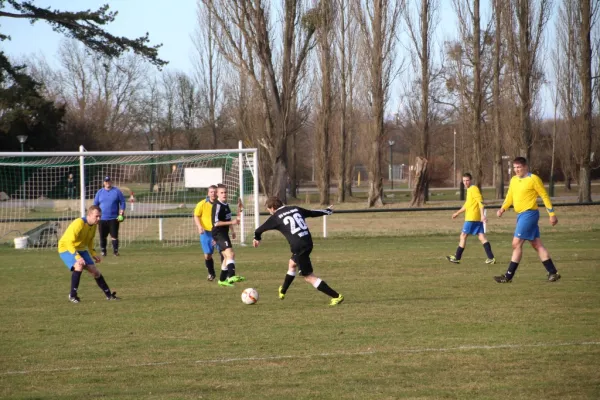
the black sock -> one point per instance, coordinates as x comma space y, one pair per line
488, 250
549, 265
210, 266
459, 251
115, 244
102, 284
75, 278
512, 269
287, 281
223, 276
324, 287
230, 270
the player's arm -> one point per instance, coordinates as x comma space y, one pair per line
478, 198
269, 224
541, 191
97, 198
315, 213
122, 203
508, 201
92, 250
198, 215
460, 211
72, 235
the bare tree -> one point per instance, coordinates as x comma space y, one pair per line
378, 21
498, 57
254, 53
346, 64
586, 15
324, 40
470, 77
188, 107
208, 67
420, 30
525, 23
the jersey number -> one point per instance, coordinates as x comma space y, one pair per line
296, 223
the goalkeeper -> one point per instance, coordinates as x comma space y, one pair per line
112, 204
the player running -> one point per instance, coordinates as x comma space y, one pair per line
289, 220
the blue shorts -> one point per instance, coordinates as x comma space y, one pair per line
527, 225
206, 241
473, 227
69, 258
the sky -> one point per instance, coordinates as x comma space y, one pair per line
170, 25
167, 24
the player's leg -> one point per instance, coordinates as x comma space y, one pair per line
306, 271
227, 277
208, 247
76, 268
553, 274
487, 247
103, 232
289, 278
515, 259
95, 272
114, 235
462, 243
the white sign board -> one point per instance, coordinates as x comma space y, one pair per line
202, 177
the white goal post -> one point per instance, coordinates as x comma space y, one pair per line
42, 192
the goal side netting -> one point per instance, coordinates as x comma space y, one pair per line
41, 193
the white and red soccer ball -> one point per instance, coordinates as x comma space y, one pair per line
249, 296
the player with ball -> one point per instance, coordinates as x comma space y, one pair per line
289, 220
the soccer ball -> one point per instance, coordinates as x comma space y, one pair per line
249, 296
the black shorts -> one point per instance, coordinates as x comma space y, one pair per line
302, 260
222, 242
109, 226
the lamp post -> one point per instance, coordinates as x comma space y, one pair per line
153, 170
391, 143
454, 162
22, 140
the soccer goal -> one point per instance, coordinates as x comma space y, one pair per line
41, 193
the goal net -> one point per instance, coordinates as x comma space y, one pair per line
41, 193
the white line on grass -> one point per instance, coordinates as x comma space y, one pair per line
308, 356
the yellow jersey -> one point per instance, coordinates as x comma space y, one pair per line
473, 203
523, 193
203, 211
79, 236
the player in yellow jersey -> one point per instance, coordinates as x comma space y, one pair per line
203, 221
76, 249
474, 220
523, 192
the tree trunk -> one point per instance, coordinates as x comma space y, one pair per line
477, 97
585, 75
420, 186
498, 165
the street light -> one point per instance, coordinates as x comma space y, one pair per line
22, 140
454, 163
152, 170
401, 171
391, 143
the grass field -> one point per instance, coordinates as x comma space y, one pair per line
412, 326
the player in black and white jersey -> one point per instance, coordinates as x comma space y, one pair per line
290, 221
222, 224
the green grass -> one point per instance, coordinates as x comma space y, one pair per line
412, 326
